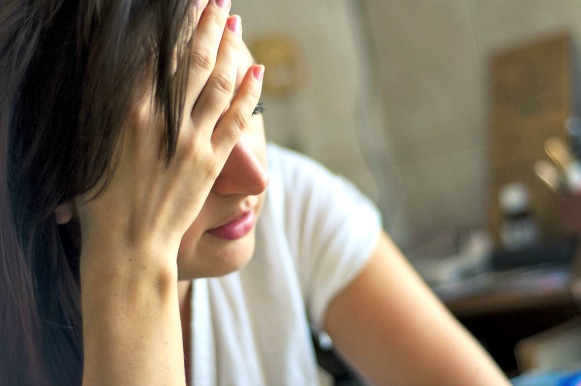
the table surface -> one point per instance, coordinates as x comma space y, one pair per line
525, 288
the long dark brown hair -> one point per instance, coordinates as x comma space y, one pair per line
69, 70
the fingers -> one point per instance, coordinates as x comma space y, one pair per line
238, 115
220, 87
207, 39
217, 118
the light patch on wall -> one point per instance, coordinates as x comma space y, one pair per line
281, 56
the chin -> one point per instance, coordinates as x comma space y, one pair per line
217, 257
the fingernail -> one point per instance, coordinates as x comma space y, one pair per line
222, 3
258, 72
234, 23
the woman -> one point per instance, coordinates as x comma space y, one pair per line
134, 169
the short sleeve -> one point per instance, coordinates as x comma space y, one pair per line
331, 226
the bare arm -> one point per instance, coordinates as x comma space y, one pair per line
132, 231
393, 329
131, 322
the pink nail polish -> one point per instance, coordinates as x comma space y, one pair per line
234, 23
258, 72
222, 3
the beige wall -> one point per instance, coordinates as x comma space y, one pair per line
417, 69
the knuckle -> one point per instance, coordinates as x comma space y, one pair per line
185, 151
212, 170
240, 117
223, 84
186, 147
254, 95
208, 168
190, 153
229, 43
216, 17
202, 58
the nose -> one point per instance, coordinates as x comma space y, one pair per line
243, 173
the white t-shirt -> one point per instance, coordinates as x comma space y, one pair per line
315, 233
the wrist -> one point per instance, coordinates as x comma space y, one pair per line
120, 265
130, 317
118, 239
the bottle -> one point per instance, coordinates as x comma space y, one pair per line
519, 228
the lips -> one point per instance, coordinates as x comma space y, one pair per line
236, 228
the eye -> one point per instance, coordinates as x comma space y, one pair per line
258, 109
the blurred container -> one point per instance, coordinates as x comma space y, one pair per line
519, 228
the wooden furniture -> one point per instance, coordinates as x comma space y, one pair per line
506, 313
530, 100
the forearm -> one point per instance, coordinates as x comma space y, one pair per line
395, 331
131, 322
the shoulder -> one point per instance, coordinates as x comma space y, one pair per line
299, 177
330, 227
298, 181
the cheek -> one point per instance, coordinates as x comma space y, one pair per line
199, 256
191, 239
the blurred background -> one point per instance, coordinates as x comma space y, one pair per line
439, 111
394, 94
